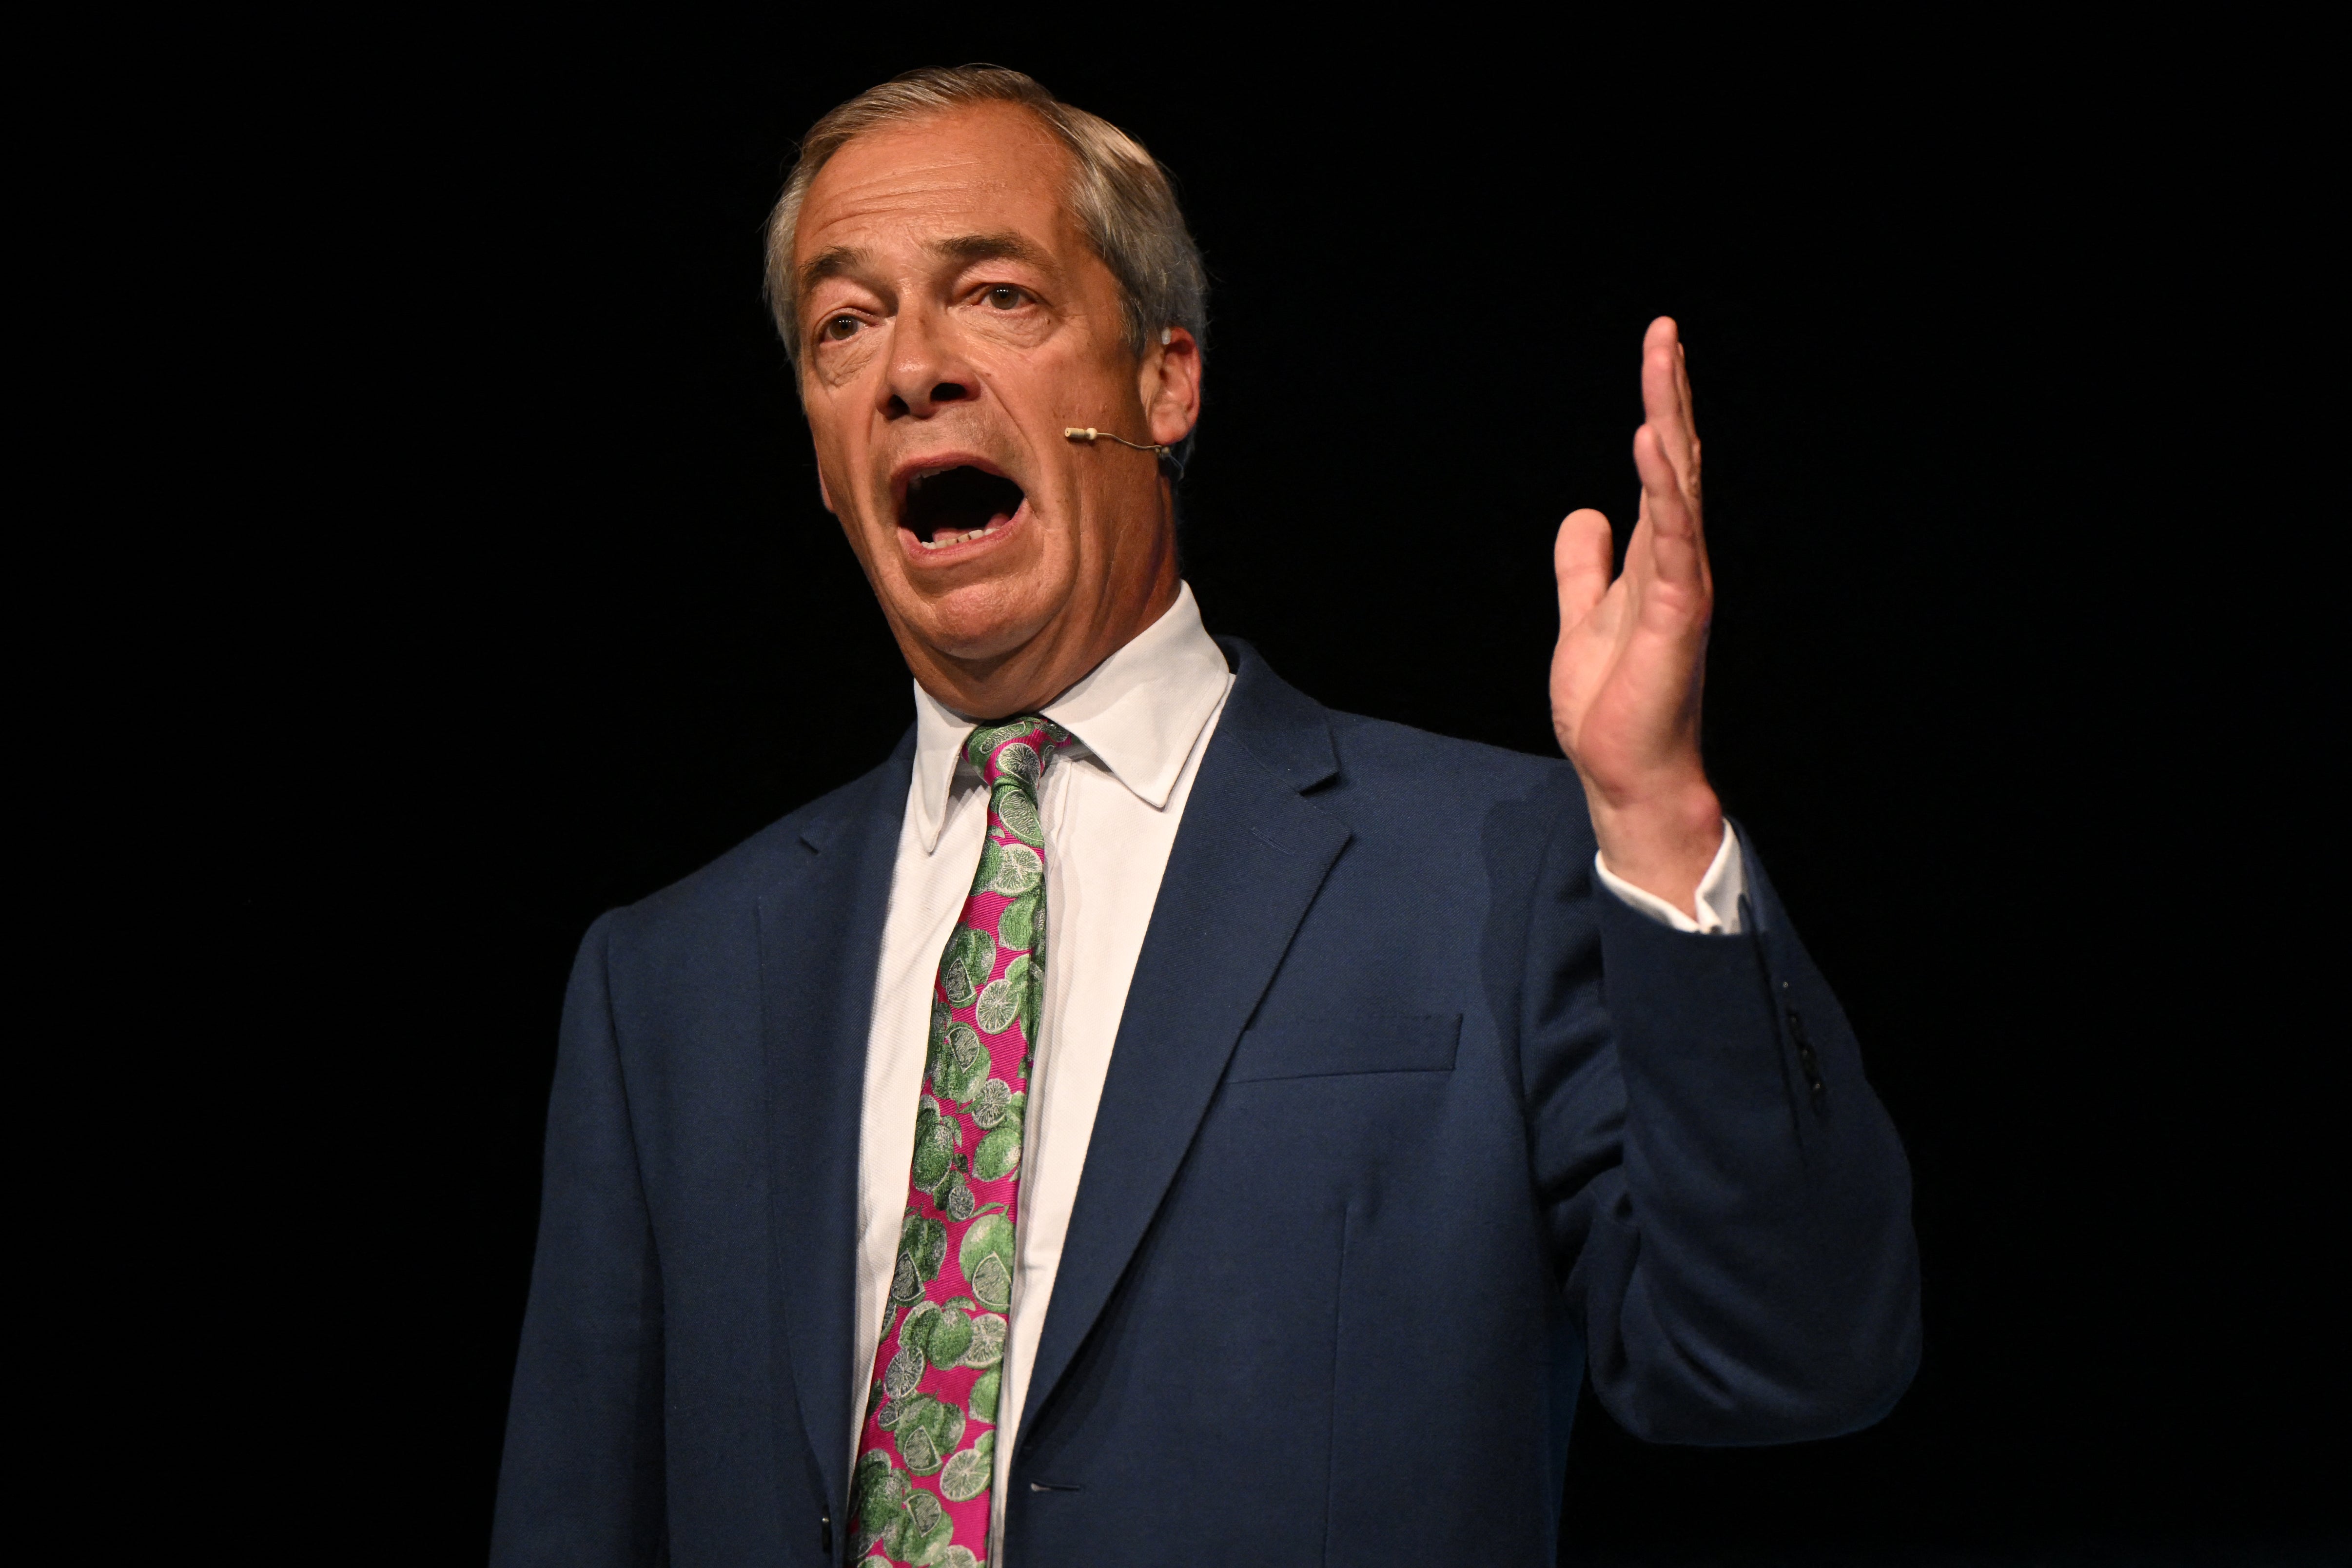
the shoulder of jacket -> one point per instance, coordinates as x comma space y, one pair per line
876, 799
1373, 749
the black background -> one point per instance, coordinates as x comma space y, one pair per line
2014, 532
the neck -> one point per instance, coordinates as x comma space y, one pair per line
1064, 653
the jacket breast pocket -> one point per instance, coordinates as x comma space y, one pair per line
1327, 1048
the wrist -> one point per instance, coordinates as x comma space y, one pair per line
1661, 840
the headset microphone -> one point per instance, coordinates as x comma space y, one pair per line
1089, 435
1086, 434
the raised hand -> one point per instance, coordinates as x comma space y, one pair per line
1631, 659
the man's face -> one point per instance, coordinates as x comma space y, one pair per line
954, 321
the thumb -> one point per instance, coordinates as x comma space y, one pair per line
1580, 559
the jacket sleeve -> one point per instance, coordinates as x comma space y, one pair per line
581, 1481
1729, 1202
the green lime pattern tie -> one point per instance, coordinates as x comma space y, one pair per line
927, 1453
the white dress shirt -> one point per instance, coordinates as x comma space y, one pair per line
1112, 803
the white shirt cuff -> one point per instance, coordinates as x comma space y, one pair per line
1720, 893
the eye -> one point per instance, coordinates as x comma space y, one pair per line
839, 327
1006, 296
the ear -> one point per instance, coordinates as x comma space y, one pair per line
1171, 385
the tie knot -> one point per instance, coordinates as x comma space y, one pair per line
1016, 749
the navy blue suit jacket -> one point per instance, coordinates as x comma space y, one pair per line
1409, 1125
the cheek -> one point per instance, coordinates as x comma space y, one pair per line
1023, 330
834, 437
835, 365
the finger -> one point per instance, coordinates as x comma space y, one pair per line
1665, 396
1682, 385
1674, 521
1580, 559
1690, 471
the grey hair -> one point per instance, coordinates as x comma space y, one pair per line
1120, 195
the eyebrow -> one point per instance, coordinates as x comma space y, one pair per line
838, 262
1004, 246
845, 260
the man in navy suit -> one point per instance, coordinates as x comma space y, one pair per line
1379, 1086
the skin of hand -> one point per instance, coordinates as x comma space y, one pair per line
951, 311
1632, 661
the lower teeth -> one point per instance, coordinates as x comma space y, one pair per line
945, 540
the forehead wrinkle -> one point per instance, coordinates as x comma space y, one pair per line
917, 183
901, 188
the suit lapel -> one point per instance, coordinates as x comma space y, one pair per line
820, 938
1247, 864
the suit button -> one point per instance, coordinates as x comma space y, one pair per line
1807, 1061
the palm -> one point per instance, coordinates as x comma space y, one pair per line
1627, 674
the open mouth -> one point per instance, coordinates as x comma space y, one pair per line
952, 505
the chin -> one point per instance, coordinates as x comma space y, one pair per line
986, 619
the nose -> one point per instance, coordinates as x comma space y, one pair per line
926, 373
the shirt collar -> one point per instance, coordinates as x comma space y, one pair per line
1139, 711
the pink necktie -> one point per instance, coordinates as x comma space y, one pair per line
927, 1457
